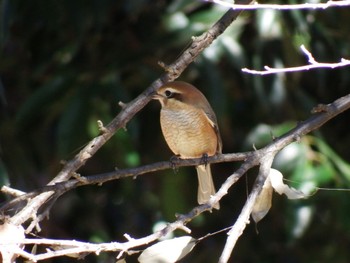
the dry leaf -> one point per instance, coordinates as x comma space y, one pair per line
276, 179
168, 251
263, 201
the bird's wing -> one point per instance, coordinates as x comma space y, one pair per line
211, 117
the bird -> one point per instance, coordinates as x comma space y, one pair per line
190, 129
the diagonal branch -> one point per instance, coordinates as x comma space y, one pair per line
324, 114
243, 219
129, 110
264, 157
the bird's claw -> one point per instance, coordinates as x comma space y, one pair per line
173, 162
204, 159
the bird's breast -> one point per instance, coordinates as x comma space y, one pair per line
188, 132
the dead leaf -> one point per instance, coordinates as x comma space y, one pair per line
274, 181
168, 251
263, 202
276, 178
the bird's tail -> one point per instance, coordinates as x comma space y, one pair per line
205, 185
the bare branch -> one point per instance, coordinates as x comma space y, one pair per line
267, 155
11, 191
313, 65
257, 6
67, 179
263, 157
60, 188
64, 248
243, 219
128, 112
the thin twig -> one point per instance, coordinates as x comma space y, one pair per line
287, 7
263, 157
243, 219
313, 64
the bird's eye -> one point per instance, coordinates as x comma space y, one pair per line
169, 94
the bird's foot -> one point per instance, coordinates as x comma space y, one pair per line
204, 159
173, 162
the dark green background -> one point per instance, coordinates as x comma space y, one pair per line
66, 64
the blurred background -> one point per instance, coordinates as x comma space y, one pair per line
66, 64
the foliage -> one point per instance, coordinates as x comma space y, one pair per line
64, 65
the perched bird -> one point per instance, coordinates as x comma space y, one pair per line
190, 129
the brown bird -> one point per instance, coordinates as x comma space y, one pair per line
190, 129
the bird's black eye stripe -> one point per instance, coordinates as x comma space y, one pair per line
169, 94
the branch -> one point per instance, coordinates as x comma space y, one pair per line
67, 178
256, 6
129, 110
63, 187
243, 219
313, 64
264, 157
63, 247
323, 114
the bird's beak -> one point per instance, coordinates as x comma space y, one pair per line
160, 98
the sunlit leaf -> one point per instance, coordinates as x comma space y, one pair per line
274, 181
276, 178
303, 218
269, 23
176, 21
263, 134
168, 251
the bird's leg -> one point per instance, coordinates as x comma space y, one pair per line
204, 159
173, 162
